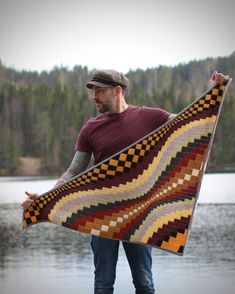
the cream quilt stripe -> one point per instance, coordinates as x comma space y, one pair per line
138, 186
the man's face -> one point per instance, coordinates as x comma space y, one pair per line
104, 98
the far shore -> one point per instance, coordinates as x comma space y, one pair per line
31, 166
28, 166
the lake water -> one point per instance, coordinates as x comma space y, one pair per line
47, 258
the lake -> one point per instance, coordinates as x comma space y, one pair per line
46, 258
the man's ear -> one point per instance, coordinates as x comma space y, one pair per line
118, 90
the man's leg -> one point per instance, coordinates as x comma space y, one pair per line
105, 260
140, 261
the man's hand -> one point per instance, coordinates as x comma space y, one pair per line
218, 78
30, 198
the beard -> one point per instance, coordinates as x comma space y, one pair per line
105, 107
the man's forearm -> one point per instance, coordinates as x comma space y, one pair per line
171, 116
79, 164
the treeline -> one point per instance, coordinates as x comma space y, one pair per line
41, 113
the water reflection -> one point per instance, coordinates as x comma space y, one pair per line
44, 239
212, 236
213, 233
210, 251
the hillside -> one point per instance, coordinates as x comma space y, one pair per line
42, 113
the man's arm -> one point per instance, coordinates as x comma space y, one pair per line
216, 77
79, 164
171, 116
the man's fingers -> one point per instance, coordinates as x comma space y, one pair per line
26, 203
218, 78
221, 78
30, 198
213, 75
31, 195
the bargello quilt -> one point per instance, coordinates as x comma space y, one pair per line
148, 192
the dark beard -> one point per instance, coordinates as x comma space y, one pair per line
104, 107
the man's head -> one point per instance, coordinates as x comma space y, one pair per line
108, 90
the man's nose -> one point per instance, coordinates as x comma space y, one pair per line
93, 95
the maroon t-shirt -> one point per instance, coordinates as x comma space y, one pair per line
107, 134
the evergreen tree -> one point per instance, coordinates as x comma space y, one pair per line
41, 114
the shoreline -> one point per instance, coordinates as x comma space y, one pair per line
215, 187
32, 167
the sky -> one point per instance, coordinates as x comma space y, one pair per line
114, 34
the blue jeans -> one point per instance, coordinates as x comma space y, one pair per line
105, 260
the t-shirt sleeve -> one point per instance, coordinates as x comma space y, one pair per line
82, 143
156, 116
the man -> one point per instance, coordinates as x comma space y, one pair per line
117, 126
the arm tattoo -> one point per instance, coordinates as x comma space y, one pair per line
91, 163
79, 164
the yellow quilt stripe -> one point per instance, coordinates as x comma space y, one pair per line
158, 224
129, 186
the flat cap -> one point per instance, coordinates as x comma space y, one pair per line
107, 78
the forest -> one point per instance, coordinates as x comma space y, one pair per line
41, 113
